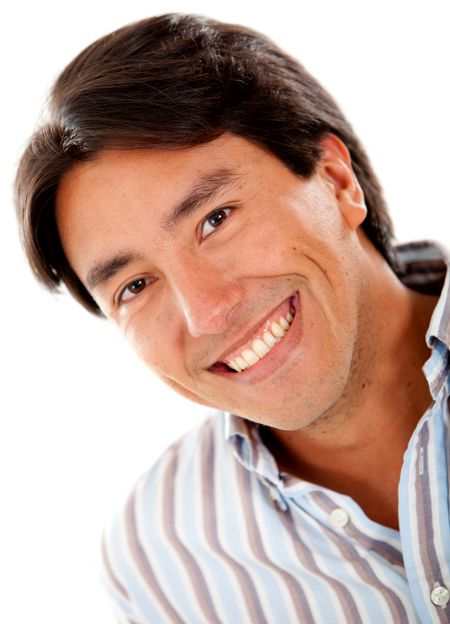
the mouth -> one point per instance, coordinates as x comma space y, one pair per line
264, 339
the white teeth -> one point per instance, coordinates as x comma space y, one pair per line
269, 339
260, 347
241, 362
249, 356
283, 322
277, 330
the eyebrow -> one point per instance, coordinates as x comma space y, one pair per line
102, 272
208, 187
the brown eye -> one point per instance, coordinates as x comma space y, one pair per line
133, 288
214, 220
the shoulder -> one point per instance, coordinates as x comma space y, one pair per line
184, 462
146, 540
181, 468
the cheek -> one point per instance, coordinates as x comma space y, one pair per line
310, 227
161, 350
153, 339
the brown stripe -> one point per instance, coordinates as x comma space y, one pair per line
437, 382
143, 563
306, 557
444, 326
388, 552
416, 246
254, 537
108, 568
436, 268
194, 572
210, 526
367, 573
425, 520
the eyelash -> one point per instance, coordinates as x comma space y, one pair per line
120, 298
226, 210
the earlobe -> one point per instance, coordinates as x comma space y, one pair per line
354, 213
336, 169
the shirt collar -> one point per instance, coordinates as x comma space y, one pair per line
439, 328
248, 448
437, 367
424, 266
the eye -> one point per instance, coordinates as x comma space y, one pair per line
214, 220
132, 289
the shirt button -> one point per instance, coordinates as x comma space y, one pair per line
277, 498
440, 596
274, 493
339, 517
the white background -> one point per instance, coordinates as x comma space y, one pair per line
81, 418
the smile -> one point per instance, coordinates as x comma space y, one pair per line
266, 336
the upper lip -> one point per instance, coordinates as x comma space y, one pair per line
242, 340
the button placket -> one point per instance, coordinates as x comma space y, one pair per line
275, 493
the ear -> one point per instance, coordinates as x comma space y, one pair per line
335, 167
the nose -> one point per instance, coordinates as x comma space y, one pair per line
206, 298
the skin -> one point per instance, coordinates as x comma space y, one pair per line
342, 397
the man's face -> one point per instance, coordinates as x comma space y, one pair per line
197, 253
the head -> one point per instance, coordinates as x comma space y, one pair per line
174, 94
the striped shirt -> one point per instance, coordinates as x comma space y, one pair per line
214, 533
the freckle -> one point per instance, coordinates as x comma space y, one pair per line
363, 386
294, 248
409, 384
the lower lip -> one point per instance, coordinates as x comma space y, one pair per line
277, 356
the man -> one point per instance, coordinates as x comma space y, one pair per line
198, 188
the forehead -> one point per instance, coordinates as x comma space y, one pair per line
158, 176
162, 169
127, 179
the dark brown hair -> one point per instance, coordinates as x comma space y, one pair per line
169, 82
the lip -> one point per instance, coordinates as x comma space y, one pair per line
276, 357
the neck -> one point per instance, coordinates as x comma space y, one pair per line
357, 448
